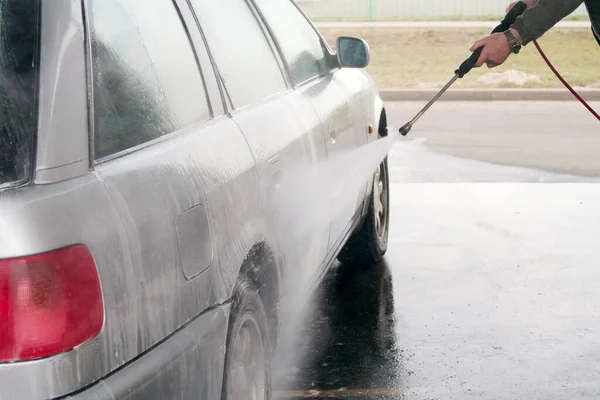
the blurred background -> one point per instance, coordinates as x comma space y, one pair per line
419, 43
385, 10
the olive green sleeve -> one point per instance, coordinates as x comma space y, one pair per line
538, 19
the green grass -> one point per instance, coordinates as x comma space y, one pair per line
489, 17
409, 58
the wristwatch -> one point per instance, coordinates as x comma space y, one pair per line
515, 46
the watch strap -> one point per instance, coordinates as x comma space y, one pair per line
515, 46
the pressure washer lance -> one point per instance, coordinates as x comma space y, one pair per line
468, 64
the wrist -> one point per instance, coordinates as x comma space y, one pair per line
517, 35
513, 45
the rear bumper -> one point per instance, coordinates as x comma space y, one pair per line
188, 363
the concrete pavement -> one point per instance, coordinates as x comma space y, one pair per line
495, 290
488, 291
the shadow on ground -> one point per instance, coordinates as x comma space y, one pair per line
347, 347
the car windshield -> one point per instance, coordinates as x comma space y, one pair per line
18, 66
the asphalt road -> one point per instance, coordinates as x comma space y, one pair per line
489, 289
558, 137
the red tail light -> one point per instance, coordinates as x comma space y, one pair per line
49, 303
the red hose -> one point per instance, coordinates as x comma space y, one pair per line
565, 82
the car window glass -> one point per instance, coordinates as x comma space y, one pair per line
19, 35
146, 77
244, 58
300, 44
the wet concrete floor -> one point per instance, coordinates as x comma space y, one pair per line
489, 290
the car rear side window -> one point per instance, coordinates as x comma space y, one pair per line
19, 35
245, 60
147, 82
300, 44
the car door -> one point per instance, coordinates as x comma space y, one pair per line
280, 125
178, 171
309, 62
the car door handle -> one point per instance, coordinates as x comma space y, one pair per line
274, 160
276, 170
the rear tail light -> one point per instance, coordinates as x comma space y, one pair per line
49, 303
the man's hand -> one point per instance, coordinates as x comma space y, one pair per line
495, 49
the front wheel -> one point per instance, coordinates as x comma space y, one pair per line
368, 245
247, 361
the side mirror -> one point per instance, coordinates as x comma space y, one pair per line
352, 52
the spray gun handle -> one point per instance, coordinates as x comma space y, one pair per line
511, 17
506, 23
469, 63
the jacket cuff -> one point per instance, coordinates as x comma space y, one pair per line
527, 34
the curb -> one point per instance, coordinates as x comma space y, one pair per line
489, 94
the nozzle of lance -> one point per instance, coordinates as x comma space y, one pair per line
405, 129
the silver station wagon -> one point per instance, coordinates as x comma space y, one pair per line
174, 176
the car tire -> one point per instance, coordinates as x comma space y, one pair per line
247, 372
368, 245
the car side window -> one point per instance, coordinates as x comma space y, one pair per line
244, 58
300, 44
146, 78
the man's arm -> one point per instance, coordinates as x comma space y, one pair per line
532, 24
540, 18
